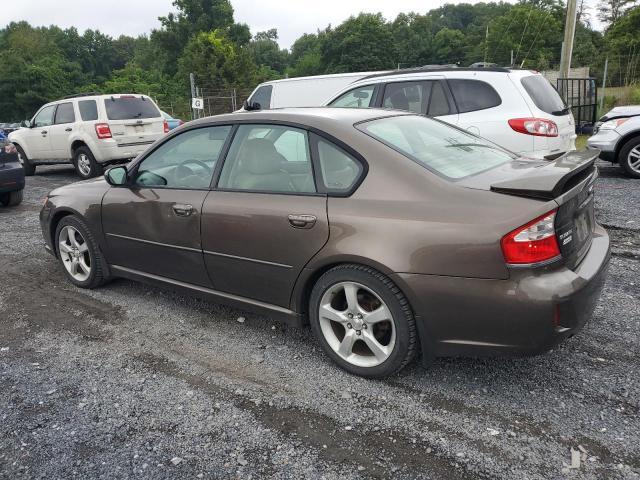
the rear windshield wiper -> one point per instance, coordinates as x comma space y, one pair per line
564, 111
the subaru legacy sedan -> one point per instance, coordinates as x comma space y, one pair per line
388, 232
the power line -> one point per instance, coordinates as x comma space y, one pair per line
523, 32
535, 38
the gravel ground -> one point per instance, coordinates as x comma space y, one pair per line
131, 380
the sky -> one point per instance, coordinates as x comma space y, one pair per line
292, 18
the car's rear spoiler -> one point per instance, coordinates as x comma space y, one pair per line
551, 180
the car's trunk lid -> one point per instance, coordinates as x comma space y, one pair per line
567, 180
133, 120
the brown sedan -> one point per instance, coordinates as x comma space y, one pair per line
390, 233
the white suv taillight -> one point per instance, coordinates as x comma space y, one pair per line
539, 127
165, 126
532, 243
103, 130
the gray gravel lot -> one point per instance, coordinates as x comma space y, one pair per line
131, 380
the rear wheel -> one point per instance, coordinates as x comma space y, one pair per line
363, 321
27, 165
85, 163
11, 199
629, 157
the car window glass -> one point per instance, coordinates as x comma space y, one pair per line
545, 97
185, 161
438, 103
411, 96
447, 151
88, 110
64, 113
473, 95
44, 118
130, 107
360, 97
339, 170
269, 158
262, 96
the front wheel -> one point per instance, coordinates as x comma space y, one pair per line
79, 253
85, 163
363, 321
629, 157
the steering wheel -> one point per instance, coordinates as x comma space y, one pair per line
197, 162
182, 171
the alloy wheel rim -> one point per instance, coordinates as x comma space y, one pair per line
634, 159
83, 164
74, 252
357, 324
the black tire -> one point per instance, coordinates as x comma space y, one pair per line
623, 157
27, 165
11, 199
406, 344
99, 273
94, 168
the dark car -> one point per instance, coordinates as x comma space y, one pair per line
11, 174
389, 232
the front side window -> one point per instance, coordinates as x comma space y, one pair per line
262, 97
473, 95
410, 96
186, 161
268, 158
88, 110
130, 108
65, 114
446, 151
360, 97
339, 170
44, 118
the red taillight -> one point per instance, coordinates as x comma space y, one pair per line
103, 130
166, 126
539, 127
534, 242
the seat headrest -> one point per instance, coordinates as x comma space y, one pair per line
260, 157
399, 100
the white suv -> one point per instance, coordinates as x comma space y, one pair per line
517, 109
90, 131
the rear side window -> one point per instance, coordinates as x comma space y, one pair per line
544, 96
410, 96
438, 103
360, 97
473, 95
65, 114
262, 97
130, 108
339, 170
88, 110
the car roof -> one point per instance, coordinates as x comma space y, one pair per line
322, 77
323, 118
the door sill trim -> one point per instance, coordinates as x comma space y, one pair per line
222, 296
247, 259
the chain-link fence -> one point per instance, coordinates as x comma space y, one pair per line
216, 101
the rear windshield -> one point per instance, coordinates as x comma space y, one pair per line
446, 151
129, 108
545, 97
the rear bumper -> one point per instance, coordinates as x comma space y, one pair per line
11, 177
527, 314
108, 151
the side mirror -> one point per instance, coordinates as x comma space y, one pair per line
26, 124
116, 176
249, 106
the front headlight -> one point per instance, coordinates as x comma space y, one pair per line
612, 124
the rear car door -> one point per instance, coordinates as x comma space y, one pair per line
428, 97
37, 137
135, 121
61, 130
153, 224
266, 219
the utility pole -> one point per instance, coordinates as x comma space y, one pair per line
511, 64
569, 32
604, 82
192, 79
486, 45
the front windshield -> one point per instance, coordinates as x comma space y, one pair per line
447, 151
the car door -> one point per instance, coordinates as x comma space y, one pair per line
152, 225
61, 130
37, 136
266, 219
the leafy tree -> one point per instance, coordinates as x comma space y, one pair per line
266, 52
609, 11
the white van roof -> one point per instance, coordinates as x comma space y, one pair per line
324, 77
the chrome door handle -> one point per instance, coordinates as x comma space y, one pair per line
182, 209
302, 221
44, 132
68, 129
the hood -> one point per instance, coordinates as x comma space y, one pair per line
621, 112
98, 184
